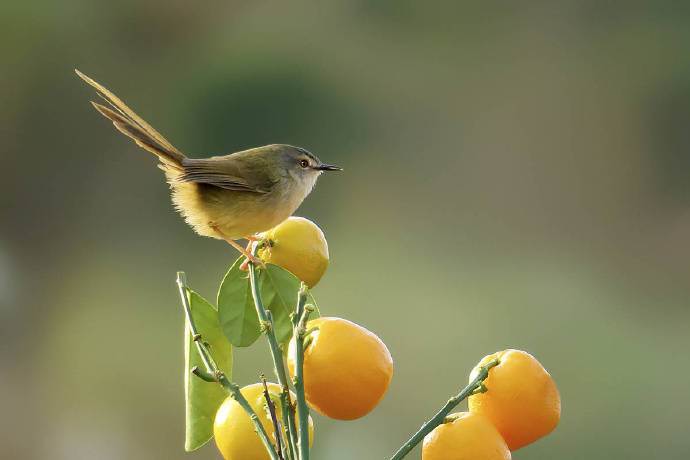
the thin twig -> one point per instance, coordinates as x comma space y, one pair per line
440, 416
288, 415
274, 418
213, 371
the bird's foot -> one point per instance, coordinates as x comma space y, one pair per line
255, 260
249, 257
246, 252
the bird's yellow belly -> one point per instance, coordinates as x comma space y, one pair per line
235, 214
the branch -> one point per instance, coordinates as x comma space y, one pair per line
301, 317
266, 320
213, 372
477, 384
289, 414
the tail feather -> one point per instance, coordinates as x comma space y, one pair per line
140, 137
133, 126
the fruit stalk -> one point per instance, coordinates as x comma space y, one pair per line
475, 385
300, 328
213, 371
266, 320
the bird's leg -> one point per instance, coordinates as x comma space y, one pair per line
245, 252
251, 240
245, 265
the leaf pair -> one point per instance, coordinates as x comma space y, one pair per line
238, 319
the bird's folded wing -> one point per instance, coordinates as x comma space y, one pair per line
224, 175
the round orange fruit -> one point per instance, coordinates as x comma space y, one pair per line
234, 432
467, 437
522, 400
347, 368
299, 246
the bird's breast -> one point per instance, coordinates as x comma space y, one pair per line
236, 214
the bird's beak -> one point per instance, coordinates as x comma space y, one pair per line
325, 167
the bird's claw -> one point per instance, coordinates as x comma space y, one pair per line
255, 260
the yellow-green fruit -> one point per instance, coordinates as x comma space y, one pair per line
234, 432
299, 246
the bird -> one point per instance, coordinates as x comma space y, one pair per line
226, 197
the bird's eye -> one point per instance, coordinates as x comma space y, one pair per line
304, 163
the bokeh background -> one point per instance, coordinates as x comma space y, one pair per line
517, 175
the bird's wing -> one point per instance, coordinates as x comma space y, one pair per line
224, 173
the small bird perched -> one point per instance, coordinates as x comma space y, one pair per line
227, 197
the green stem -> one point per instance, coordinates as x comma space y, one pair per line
266, 320
213, 370
440, 416
301, 300
302, 408
288, 415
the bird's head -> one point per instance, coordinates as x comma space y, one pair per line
302, 165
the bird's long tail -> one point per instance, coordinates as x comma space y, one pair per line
133, 126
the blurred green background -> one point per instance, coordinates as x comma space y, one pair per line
517, 175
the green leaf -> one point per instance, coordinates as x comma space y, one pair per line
278, 289
236, 310
284, 287
202, 399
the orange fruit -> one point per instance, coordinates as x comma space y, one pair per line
522, 400
234, 432
468, 437
299, 246
347, 368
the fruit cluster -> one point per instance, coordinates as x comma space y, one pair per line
518, 404
342, 370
